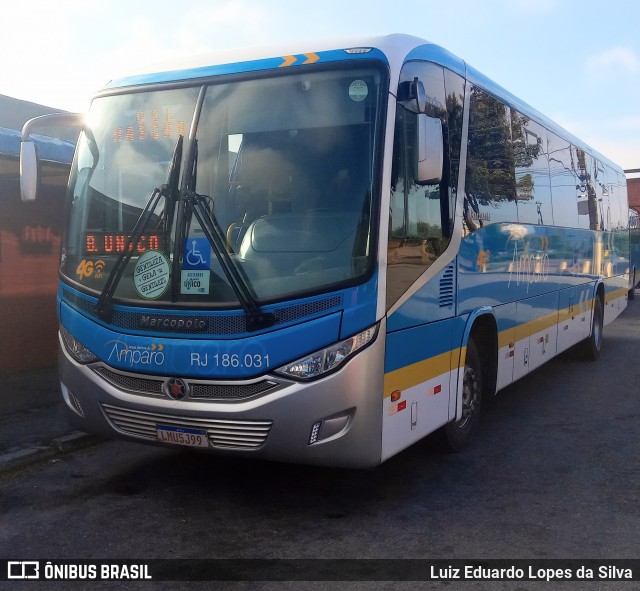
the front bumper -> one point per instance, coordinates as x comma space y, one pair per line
333, 421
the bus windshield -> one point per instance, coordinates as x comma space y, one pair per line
283, 165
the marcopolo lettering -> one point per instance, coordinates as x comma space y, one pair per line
173, 323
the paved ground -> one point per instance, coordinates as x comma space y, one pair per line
33, 423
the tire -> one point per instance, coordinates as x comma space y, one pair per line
456, 435
591, 347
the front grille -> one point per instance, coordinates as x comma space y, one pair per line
131, 383
221, 433
199, 390
230, 323
231, 391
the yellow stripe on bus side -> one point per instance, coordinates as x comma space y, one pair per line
538, 325
614, 295
421, 371
416, 373
507, 337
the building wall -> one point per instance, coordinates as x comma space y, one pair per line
633, 189
29, 249
29, 256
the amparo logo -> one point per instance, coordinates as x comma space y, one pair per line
136, 355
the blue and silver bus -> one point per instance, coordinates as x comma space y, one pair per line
321, 254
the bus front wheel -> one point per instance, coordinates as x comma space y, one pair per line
457, 434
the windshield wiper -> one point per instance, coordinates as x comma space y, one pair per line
194, 204
256, 319
169, 191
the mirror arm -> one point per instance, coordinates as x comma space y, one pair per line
420, 95
53, 119
29, 176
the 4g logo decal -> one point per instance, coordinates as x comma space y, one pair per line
88, 269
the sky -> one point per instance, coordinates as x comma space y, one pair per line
576, 61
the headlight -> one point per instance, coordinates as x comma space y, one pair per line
328, 359
77, 350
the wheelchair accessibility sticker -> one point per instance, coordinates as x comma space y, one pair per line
197, 254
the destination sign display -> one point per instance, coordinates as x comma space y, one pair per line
105, 243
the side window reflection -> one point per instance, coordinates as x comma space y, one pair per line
531, 153
421, 216
490, 190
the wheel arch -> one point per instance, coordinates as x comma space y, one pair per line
599, 292
482, 327
589, 348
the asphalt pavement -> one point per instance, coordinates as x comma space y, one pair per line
33, 422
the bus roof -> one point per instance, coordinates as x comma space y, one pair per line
393, 49
267, 57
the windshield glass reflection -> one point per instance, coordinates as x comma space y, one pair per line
284, 165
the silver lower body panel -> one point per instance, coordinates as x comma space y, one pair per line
333, 421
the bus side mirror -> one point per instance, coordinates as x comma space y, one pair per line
28, 171
430, 152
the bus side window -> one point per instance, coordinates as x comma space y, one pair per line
564, 182
455, 88
419, 226
490, 190
588, 216
617, 205
533, 185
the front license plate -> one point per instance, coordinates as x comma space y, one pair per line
182, 436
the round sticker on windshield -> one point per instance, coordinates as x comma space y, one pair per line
151, 274
358, 90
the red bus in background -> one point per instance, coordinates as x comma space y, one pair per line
633, 190
29, 254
